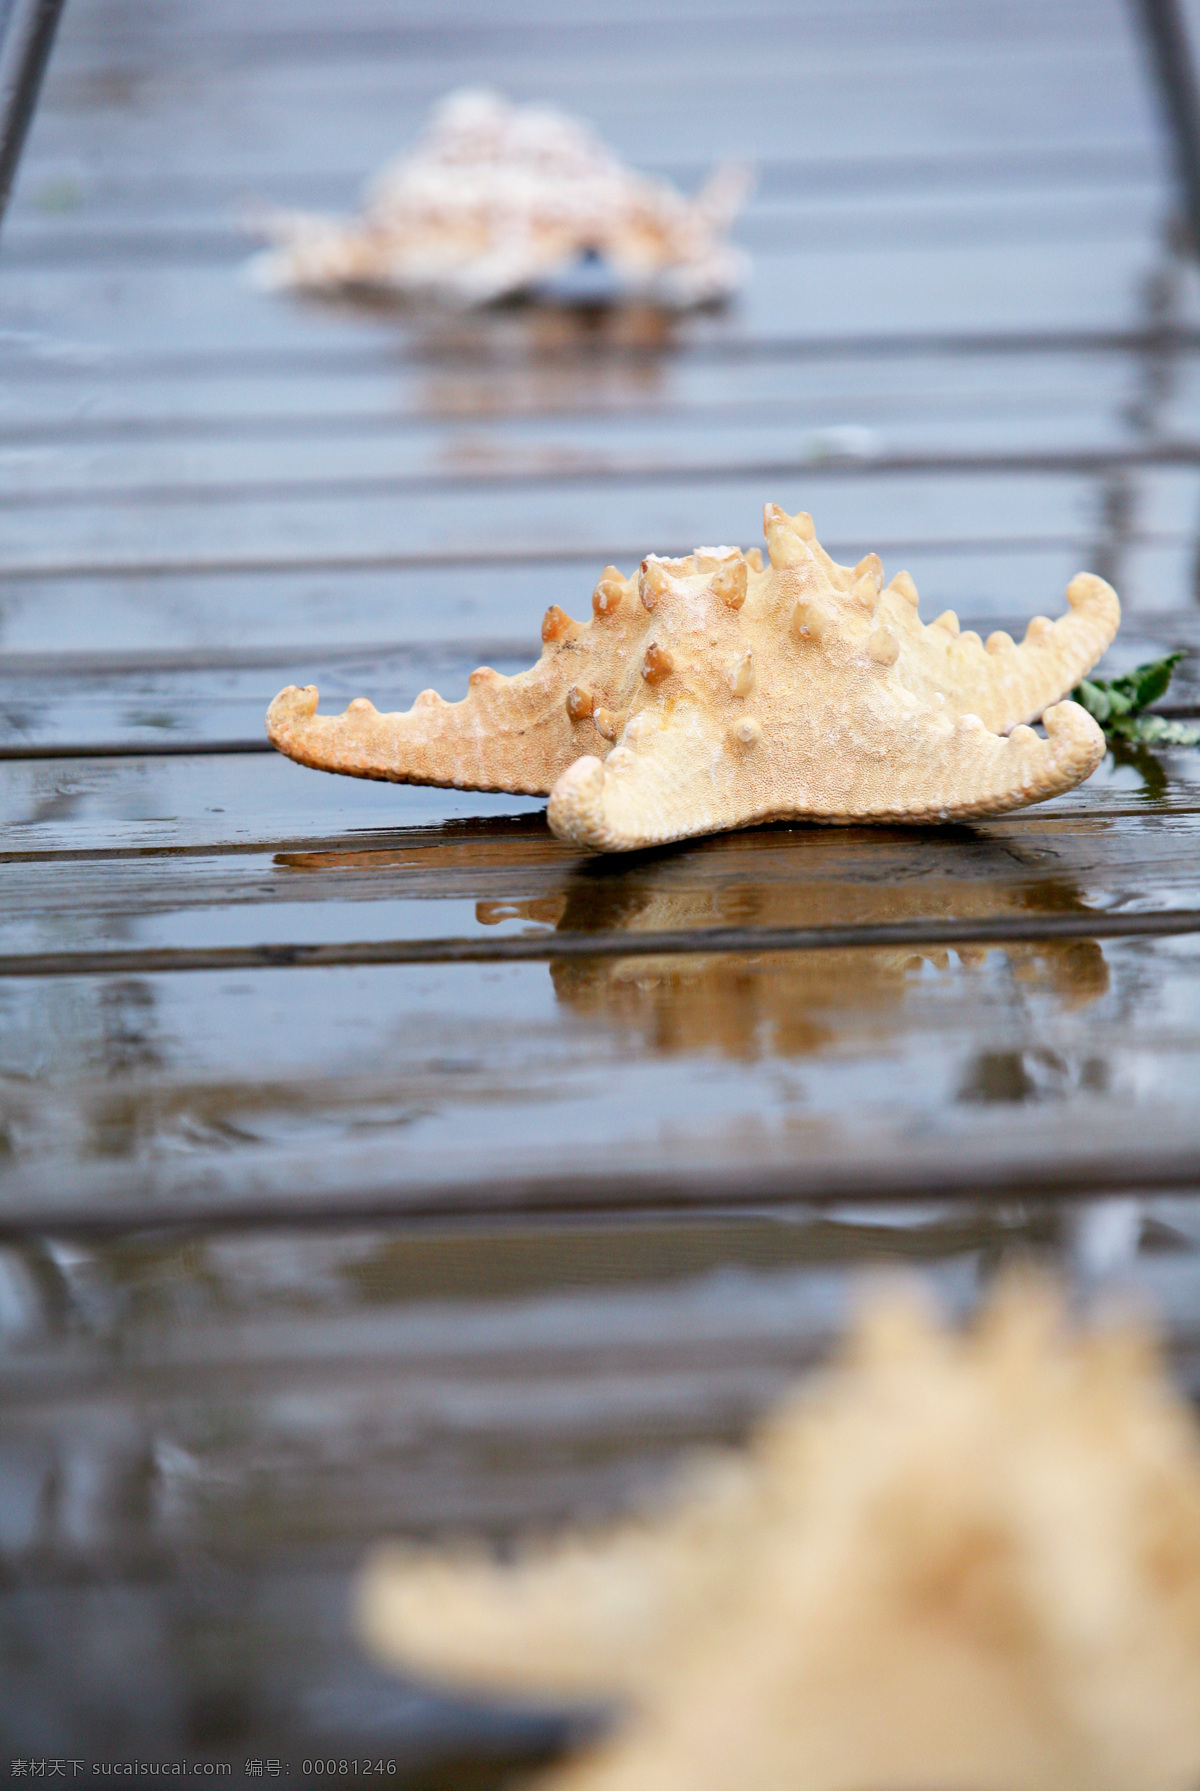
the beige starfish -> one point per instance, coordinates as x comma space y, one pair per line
957, 1561
712, 693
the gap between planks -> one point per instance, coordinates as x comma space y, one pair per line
652, 1192
689, 941
121, 364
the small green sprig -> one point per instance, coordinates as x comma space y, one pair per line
1116, 704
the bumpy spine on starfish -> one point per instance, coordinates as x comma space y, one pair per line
835, 733
508, 733
1001, 682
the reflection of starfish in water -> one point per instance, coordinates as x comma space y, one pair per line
952, 1562
714, 693
790, 1004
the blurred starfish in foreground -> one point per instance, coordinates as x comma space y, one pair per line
955, 1561
712, 692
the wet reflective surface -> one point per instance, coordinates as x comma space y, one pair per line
203, 1435
973, 353
254, 1080
182, 1077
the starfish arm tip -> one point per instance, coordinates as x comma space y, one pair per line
1076, 737
576, 809
1087, 591
288, 712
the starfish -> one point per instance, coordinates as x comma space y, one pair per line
953, 1560
714, 692
499, 199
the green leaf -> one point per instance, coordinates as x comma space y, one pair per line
1093, 695
1146, 683
1115, 703
1155, 730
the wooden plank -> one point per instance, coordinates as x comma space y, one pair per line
279, 32
263, 802
94, 199
1036, 397
215, 1667
395, 526
1072, 212
485, 349
376, 1413
516, 880
564, 948
205, 801
300, 1418
453, 1088
603, 1389
609, 1354
328, 467
972, 517
204, 1429
834, 292
1054, 85
81, 706
278, 1402
247, 1656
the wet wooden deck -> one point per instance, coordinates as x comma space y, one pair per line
372, 1164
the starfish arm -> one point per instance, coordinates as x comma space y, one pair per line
569, 1619
515, 734
311, 251
933, 770
999, 681
585, 1614
489, 741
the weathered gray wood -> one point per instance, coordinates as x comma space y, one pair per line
973, 398
206, 1092
983, 555
1050, 285
235, 470
362, 94
517, 879
222, 1667
608, 1383
1075, 213
255, 1655
80, 707
100, 803
821, 203
896, 513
